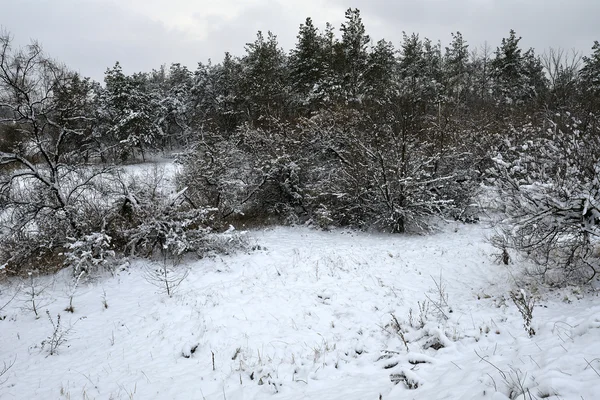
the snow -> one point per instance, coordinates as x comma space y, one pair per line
308, 316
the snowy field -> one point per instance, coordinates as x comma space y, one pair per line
307, 315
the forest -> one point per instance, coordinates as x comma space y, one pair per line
341, 131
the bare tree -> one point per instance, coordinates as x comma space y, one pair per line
562, 70
43, 177
561, 66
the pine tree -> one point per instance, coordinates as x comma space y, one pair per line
420, 73
130, 114
380, 74
590, 77
176, 105
330, 90
307, 65
411, 63
78, 94
518, 78
264, 78
354, 56
227, 92
434, 74
507, 70
456, 68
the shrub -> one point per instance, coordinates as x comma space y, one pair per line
550, 191
336, 168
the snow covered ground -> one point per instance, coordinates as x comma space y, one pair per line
308, 315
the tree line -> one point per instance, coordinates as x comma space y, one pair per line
340, 131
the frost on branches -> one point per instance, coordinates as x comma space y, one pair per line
550, 188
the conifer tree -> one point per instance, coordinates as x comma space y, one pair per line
353, 56
518, 78
590, 79
129, 112
380, 74
307, 66
264, 78
456, 68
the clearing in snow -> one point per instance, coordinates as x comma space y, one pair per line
305, 315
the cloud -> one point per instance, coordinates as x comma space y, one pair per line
541, 23
90, 35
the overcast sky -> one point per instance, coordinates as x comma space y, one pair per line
90, 35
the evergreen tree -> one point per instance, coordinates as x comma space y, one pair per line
456, 68
307, 65
264, 78
329, 91
518, 77
533, 71
353, 55
380, 74
590, 77
411, 63
129, 114
589, 101
420, 75
227, 93
176, 105
433, 74
212, 98
77, 95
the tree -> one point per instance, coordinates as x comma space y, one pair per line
590, 79
480, 98
354, 56
549, 185
217, 98
264, 78
307, 66
380, 75
562, 70
590, 72
368, 173
507, 69
518, 78
130, 114
420, 77
329, 91
44, 191
456, 68
173, 109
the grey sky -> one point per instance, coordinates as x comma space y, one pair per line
90, 35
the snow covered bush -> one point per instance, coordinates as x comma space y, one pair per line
335, 168
221, 175
525, 304
251, 174
549, 186
89, 253
38, 232
148, 219
378, 175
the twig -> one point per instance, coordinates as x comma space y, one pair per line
5, 368
399, 332
589, 364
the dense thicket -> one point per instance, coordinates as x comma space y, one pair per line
341, 131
